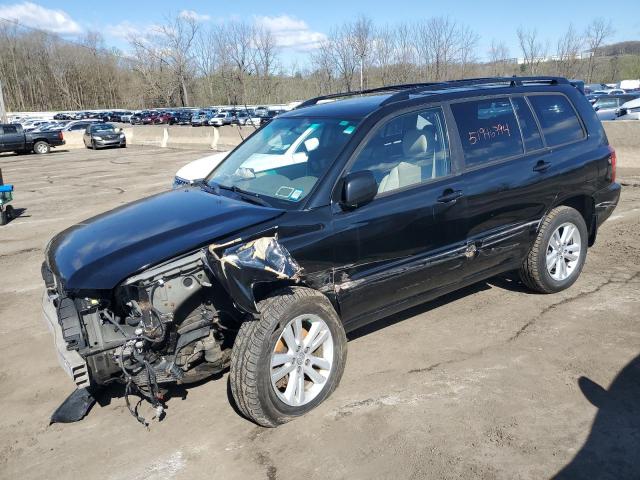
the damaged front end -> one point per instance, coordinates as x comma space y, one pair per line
173, 323
240, 266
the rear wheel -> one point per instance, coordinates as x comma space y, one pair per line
41, 147
289, 360
558, 254
4, 217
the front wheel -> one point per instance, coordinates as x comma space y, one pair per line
558, 254
41, 147
289, 360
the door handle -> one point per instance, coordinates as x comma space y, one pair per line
541, 166
449, 196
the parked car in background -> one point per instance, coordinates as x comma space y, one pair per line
62, 116
201, 118
247, 118
167, 117
138, 117
270, 115
99, 135
606, 105
222, 118
33, 124
593, 87
150, 117
183, 117
630, 84
197, 170
629, 110
14, 139
117, 116
77, 125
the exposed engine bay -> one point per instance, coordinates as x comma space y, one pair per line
175, 322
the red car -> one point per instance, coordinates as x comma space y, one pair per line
164, 117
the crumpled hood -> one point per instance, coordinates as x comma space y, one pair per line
100, 252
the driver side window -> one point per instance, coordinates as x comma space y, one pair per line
407, 150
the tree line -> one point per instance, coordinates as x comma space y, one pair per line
183, 62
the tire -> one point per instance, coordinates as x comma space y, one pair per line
93, 145
4, 217
41, 147
567, 259
10, 212
124, 145
257, 341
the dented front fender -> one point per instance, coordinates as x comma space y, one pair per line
240, 266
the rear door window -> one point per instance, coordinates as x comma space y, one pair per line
10, 129
557, 118
528, 125
488, 130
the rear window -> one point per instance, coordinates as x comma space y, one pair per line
528, 126
10, 129
488, 130
557, 118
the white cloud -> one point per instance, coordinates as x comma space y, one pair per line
37, 16
291, 32
195, 16
123, 30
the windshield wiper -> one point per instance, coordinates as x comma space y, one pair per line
246, 195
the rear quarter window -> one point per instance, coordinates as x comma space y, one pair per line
488, 130
557, 118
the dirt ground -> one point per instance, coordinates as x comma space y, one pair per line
490, 382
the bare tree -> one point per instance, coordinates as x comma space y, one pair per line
533, 49
266, 54
568, 53
596, 33
343, 54
176, 39
362, 35
405, 54
384, 48
498, 58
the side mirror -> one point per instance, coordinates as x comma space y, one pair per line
359, 188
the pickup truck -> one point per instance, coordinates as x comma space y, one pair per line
14, 139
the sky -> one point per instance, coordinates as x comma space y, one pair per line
300, 25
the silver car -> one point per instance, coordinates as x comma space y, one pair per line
606, 105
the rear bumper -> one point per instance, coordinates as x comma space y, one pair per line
70, 360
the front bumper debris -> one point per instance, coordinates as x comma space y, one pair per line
70, 360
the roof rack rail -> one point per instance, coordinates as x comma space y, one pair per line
510, 81
387, 88
404, 91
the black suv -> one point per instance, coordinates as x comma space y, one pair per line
331, 216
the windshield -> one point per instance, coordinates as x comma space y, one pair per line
102, 127
286, 158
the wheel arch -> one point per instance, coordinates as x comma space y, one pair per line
263, 290
585, 205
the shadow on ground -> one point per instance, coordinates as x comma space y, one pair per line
612, 450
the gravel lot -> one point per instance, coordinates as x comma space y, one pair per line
489, 382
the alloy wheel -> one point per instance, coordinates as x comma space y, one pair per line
302, 360
563, 251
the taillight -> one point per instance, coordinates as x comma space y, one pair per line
612, 162
60, 134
